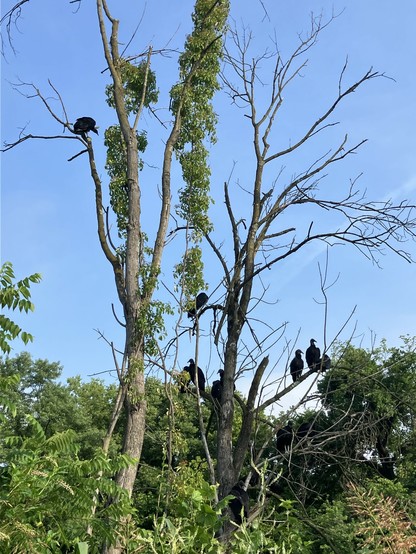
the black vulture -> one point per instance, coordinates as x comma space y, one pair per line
216, 389
313, 355
325, 364
201, 377
296, 366
85, 124
200, 301
305, 429
284, 437
239, 505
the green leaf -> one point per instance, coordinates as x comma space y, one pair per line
81, 548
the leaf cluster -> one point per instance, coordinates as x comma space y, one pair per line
14, 296
83, 407
189, 274
192, 99
134, 78
47, 494
116, 166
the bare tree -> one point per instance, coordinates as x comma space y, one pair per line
260, 243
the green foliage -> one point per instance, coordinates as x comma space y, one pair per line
49, 473
372, 394
14, 296
116, 166
83, 407
185, 443
194, 199
190, 519
189, 273
150, 324
134, 78
150, 321
336, 526
47, 494
185, 432
192, 98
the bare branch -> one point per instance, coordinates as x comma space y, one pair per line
11, 17
316, 126
10, 145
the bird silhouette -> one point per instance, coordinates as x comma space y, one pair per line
239, 505
191, 369
296, 366
305, 429
312, 355
200, 301
84, 125
284, 437
216, 389
325, 363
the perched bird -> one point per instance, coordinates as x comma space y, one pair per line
192, 372
312, 355
326, 363
85, 124
200, 301
239, 505
296, 366
305, 430
216, 389
284, 437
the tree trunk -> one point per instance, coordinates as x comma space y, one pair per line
135, 407
225, 468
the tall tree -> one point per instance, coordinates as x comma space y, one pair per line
136, 264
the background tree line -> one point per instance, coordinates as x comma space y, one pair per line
346, 485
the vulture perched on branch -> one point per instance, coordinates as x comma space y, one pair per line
296, 366
84, 125
200, 301
191, 369
313, 355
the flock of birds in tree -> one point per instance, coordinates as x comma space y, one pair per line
313, 361
285, 436
239, 505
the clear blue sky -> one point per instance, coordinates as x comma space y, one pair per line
47, 217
